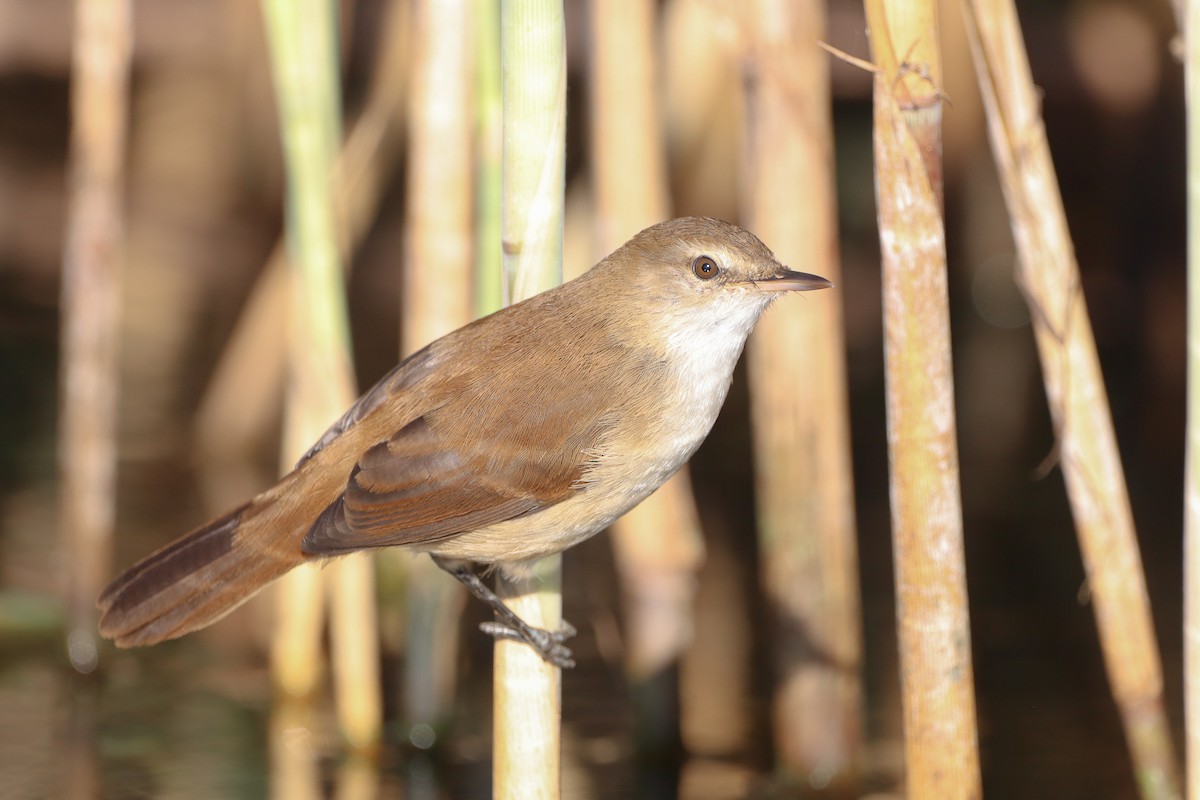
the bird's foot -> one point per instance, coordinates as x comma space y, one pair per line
547, 644
508, 625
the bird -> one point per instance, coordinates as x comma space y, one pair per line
514, 437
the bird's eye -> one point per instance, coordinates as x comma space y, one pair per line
705, 268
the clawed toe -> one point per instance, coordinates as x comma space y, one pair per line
548, 644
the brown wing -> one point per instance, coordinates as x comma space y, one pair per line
414, 488
478, 453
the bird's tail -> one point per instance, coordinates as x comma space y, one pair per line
202, 576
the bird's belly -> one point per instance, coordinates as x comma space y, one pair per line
556, 528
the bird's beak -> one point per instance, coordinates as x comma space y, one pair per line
787, 280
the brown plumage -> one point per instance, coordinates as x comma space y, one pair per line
509, 439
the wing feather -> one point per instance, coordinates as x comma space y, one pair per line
414, 489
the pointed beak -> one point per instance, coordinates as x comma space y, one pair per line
787, 280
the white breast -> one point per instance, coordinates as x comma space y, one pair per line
705, 352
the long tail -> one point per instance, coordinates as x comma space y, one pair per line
202, 576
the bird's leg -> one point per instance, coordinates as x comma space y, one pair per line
548, 644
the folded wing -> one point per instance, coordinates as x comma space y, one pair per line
416, 488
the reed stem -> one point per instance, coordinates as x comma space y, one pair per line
90, 286
527, 689
436, 300
1191, 489
659, 545
937, 684
1049, 275
799, 410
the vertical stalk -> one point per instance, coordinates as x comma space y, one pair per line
527, 690
439, 205
91, 265
799, 409
941, 748
658, 545
303, 48
294, 771
437, 294
534, 85
1049, 275
629, 170
354, 645
489, 147
1191, 488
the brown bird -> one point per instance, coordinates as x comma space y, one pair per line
512, 438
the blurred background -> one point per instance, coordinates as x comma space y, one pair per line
204, 188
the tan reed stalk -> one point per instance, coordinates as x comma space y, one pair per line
489, 147
436, 298
941, 747
294, 771
1191, 490
91, 269
658, 545
527, 690
800, 414
1087, 447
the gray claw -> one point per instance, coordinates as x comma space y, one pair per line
548, 644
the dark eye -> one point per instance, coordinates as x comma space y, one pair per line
705, 268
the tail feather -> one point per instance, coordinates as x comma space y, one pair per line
199, 578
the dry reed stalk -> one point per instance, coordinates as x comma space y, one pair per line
941, 747
489, 148
532, 47
436, 298
703, 117
294, 772
799, 410
659, 545
91, 269
299, 599
321, 378
1087, 447
358, 779
354, 650
1191, 491
440, 186
629, 172
906, 48
702, 103
527, 694
527, 690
